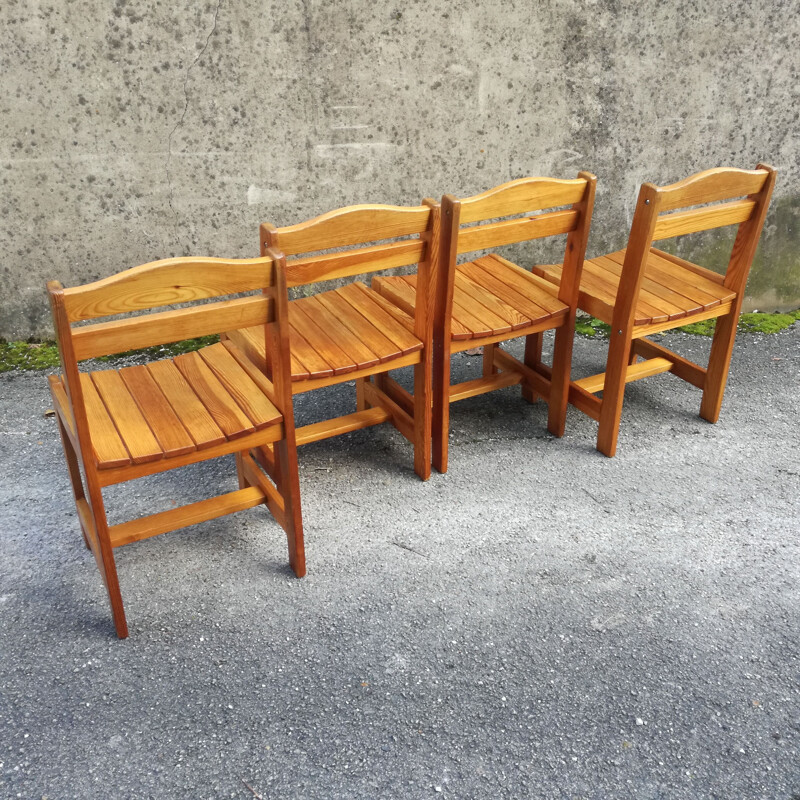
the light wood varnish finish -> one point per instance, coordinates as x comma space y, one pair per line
484, 302
642, 290
354, 333
118, 425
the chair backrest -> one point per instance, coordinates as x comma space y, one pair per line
711, 199
367, 238
551, 207
174, 281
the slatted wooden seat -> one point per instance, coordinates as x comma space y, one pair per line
672, 289
642, 290
491, 297
352, 332
489, 300
346, 330
118, 425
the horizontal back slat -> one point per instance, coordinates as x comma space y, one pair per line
353, 225
518, 197
701, 219
106, 338
711, 186
510, 231
167, 282
354, 262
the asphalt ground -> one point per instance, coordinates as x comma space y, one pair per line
539, 622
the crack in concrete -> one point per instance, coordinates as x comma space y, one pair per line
186, 108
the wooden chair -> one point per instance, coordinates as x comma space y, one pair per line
121, 424
641, 290
491, 299
352, 333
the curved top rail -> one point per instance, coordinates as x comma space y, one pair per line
167, 282
522, 195
351, 225
712, 185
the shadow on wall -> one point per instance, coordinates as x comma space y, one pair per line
774, 283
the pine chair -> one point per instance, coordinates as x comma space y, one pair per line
490, 300
641, 290
352, 333
121, 424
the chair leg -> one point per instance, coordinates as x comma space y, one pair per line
719, 363
240, 472
361, 400
73, 467
489, 368
613, 393
287, 479
105, 557
423, 390
559, 382
532, 358
440, 420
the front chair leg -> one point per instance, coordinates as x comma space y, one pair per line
613, 393
719, 362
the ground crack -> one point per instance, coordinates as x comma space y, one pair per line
186, 108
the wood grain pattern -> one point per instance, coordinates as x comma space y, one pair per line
106, 338
194, 416
172, 437
232, 421
167, 282
711, 186
128, 419
351, 226
521, 197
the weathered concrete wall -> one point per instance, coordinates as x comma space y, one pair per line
134, 130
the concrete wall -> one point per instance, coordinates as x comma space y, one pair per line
134, 130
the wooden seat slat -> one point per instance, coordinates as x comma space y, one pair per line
605, 284
651, 294
381, 314
516, 296
194, 416
688, 282
318, 334
233, 422
240, 386
357, 350
312, 364
128, 420
383, 347
491, 323
508, 314
162, 419
653, 283
523, 281
109, 449
402, 290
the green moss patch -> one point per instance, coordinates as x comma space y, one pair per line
748, 323
592, 328
44, 355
